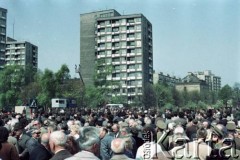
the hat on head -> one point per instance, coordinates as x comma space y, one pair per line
160, 124
36, 131
123, 124
46, 122
231, 126
217, 131
178, 129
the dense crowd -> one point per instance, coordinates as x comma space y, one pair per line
120, 134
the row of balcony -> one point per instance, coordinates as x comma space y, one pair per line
14, 53
117, 24
11, 59
120, 55
11, 48
118, 32
119, 47
118, 39
125, 78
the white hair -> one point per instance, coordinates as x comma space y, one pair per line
58, 138
118, 145
147, 120
88, 137
77, 122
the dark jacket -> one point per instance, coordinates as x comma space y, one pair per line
22, 147
105, 147
61, 155
40, 153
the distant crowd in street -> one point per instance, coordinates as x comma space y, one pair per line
120, 134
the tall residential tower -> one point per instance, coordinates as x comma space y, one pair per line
3, 24
21, 53
120, 42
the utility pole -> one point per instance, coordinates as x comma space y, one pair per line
82, 88
78, 70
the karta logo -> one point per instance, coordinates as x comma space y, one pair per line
197, 148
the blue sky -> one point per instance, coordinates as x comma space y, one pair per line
188, 35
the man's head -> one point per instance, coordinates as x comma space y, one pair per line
57, 140
89, 139
36, 124
202, 133
115, 128
45, 140
118, 145
103, 132
36, 134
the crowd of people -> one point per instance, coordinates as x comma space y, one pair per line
120, 134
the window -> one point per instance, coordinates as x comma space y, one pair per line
123, 28
108, 30
115, 52
101, 37
123, 36
107, 22
130, 28
109, 45
130, 58
108, 52
131, 35
101, 45
138, 35
137, 19
123, 51
101, 53
115, 21
131, 66
115, 36
138, 50
130, 20
123, 21
116, 44
131, 43
115, 29
109, 37
116, 60
101, 30
131, 90
117, 67
102, 23
130, 50
138, 27
138, 43
123, 44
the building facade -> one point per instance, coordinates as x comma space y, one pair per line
3, 26
165, 78
21, 53
192, 83
122, 43
214, 82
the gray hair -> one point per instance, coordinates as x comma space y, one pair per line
59, 138
118, 145
88, 137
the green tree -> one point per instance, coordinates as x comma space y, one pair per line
225, 94
163, 94
149, 97
11, 82
47, 84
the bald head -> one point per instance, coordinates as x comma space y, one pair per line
45, 139
118, 145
